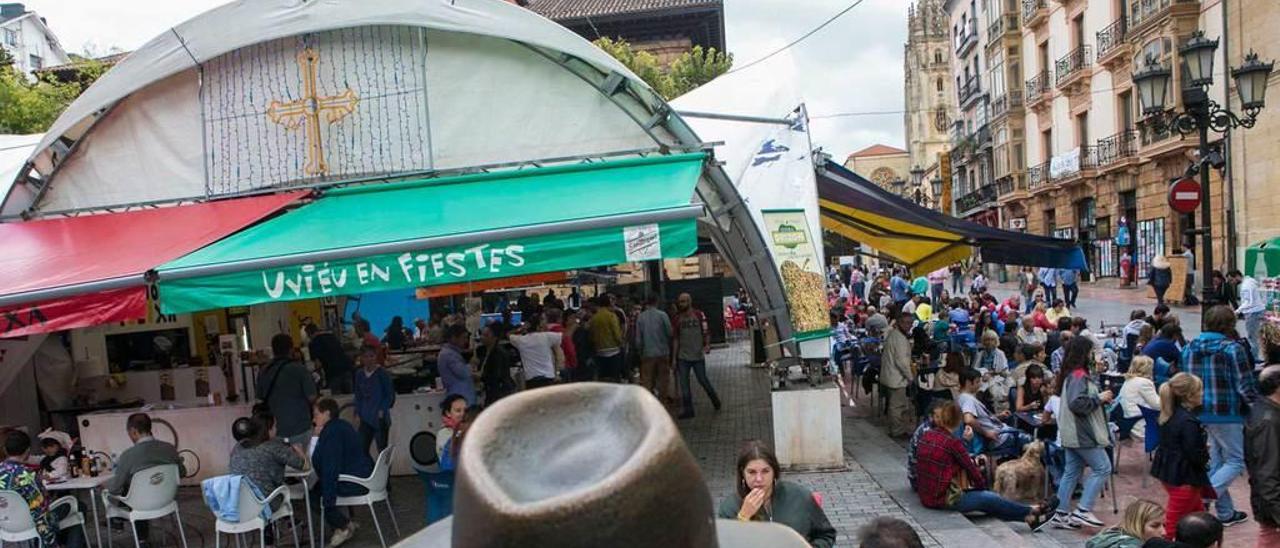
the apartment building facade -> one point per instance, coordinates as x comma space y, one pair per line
1095, 166
972, 172
1254, 154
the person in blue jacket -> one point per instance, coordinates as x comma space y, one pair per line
337, 452
374, 397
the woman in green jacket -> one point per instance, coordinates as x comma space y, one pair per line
762, 496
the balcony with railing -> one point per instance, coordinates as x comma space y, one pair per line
1144, 14
1112, 46
982, 197
1088, 160
1034, 12
969, 91
968, 38
1037, 89
1117, 149
1038, 177
1006, 23
982, 137
1074, 66
1011, 186
1003, 105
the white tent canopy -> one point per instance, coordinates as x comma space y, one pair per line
259, 95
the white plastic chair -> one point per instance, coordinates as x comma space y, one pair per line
376, 484
250, 510
16, 524
302, 491
152, 494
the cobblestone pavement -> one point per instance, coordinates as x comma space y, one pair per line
851, 497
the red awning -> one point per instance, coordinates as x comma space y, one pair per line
78, 271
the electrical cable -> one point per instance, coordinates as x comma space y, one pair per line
800, 39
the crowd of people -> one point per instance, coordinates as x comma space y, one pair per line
996, 380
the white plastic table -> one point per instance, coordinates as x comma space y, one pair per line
90, 484
303, 476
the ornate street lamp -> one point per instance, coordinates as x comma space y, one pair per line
937, 187
1201, 114
899, 185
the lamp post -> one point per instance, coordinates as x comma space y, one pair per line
1200, 115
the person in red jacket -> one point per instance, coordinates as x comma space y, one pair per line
947, 479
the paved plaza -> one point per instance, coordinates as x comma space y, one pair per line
872, 483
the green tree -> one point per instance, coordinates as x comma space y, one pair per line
686, 72
30, 107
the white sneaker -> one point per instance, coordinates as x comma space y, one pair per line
1063, 521
1085, 517
342, 535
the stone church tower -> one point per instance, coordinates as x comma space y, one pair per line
929, 92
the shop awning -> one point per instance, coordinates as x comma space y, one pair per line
924, 239
1262, 260
80, 271
449, 230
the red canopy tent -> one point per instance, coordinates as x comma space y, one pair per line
80, 271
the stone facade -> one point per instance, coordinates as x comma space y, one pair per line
1254, 159
881, 164
929, 93
1092, 158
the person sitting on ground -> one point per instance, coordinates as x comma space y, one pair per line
1143, 520
1030, 397
1181, 460
338, 451
997, 437
1080, 326
1139, 390
1165, 345
261, 457
990, 359
762, 495
1269, 338
145, 453
1146, 334
1137, 319
947, 479
1159, 316
887, 532
1040, 316
1200, 530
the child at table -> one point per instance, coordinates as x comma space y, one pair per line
55, 465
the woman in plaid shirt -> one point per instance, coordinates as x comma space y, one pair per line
947, 479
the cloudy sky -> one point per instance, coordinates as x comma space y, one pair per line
853, 65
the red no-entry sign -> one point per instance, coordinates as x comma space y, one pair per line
1184, 195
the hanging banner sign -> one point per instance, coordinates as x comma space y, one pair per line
795, 252
79, 311
448, 265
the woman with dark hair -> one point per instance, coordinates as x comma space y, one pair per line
947, 479
1031, 392
261, 457
761, 495
395, 336
1083, 434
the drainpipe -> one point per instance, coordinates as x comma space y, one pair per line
1228, 175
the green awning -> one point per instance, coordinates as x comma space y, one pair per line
1262, 260
448, 230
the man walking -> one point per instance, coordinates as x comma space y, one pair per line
1262, 449
1070, 280
289, 390
1251, 308
937, 283
1229, 389
653, 334
1049, 280
606, 337
692, 343
896, 375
